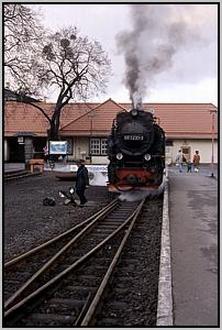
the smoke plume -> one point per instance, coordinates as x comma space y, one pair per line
158, 32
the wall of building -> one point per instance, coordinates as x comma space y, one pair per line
103, 160
80, 148
204, 147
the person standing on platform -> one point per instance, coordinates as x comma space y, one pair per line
196, 161
189, 166
180, 158
46, 153
82, 181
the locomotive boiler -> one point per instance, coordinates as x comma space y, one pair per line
136, 151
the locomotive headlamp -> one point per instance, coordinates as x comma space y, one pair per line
134, 112
147, 157
119, 156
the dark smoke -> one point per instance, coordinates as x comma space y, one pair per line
157, 34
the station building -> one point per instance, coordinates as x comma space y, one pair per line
86, 126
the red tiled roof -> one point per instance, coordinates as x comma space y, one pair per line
98, 120
184, 119
181, 120
177, 119
21, 117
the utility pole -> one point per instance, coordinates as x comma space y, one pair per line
212, 112
91, 116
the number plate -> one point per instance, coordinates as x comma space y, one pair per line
133, 137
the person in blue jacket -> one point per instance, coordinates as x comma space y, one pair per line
82, 181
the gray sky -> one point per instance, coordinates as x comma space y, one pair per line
192, 75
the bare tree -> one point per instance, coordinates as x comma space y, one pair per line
76, 67
67, 63
23, 35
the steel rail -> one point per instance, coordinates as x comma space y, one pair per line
76, 264
15, 177
56, 238
59, 253
83, 310
98, 295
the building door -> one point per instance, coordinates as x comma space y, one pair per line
186, 152
169, 152
16, 151
38, 145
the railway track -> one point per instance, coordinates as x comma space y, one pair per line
30, 265
67, 287
18, 174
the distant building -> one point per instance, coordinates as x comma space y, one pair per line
9, 95
86, 126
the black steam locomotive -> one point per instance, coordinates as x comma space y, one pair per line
136, 150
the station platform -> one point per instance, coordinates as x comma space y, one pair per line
10, 167
193, 231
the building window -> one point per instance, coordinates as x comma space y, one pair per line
186, 150
95, 146
20, 139
98, 146
103, 146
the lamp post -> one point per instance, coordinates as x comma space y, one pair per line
212, 112
91, 115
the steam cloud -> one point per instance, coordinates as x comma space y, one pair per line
139, 194
158, 31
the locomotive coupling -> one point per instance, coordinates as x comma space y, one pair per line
132, 180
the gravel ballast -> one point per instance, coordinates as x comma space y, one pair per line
28, 223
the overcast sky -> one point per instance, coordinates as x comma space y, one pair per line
192, 73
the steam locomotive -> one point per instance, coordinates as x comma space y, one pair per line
136, 150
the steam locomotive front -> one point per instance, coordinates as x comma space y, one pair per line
134, 134
132, 148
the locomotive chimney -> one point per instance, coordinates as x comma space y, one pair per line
151, 110
137, 106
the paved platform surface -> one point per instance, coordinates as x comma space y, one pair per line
194, 247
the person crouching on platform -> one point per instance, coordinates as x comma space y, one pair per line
82, 181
